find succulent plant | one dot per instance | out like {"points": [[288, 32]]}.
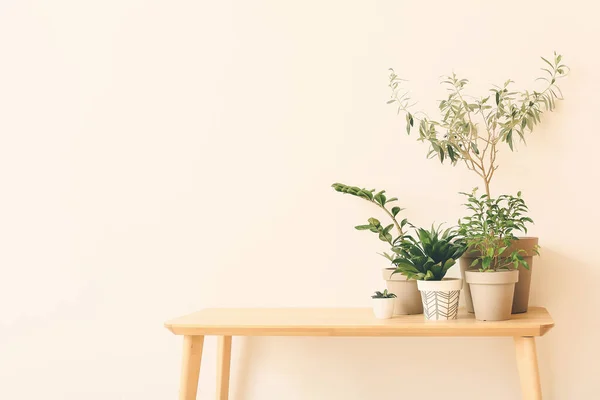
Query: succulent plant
{"points": [[430, 256], [383, 295]]}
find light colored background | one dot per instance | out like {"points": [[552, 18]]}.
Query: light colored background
{"points": [[158, 157]]}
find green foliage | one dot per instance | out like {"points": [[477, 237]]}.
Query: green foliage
{"points": [[430, 256], [470, 129], [383, 295], [374, 225], [490, 230]]}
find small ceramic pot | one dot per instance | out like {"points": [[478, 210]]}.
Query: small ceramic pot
{"points": [[383, 308], [440, 298], [492, 293], [408, 300]]}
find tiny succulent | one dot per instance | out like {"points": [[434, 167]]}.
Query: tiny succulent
{"points": [[383, 295], [430, 256], [379, 199], [490, 228]]}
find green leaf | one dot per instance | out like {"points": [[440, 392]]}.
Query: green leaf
{"points": [[486, 262], [386, 237], [388, 228], [362, 227], [547, 62], [396, 210], [374, 222]]}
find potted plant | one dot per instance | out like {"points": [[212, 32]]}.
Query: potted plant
{"points": [[408, 300], [472, 130], [383, 304], [427, 260], [489, 234]]}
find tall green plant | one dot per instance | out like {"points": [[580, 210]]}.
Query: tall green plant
{"points": [[470, 130]]}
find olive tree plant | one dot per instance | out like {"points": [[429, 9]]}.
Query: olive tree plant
{"points": [[471, 130]]}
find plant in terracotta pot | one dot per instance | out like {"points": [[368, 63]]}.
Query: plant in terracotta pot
{"points": [[496, 251], [471, 131], [428, 258], [408, 300], [383, 304]]}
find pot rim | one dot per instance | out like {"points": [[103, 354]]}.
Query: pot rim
{"points": [[445, 285], [492, 277], [387, 275]]}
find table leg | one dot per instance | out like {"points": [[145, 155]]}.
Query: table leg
{"points": [[190, 367], [528, 368], [223, 367]]}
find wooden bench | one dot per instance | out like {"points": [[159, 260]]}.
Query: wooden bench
{"points": [[354, 322]]}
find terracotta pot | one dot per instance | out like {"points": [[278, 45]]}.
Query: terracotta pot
{"points": [[408, 298], [521, 297], [440, 298], [492, 293]]}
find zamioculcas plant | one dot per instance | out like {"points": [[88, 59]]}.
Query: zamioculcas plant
{"points": [[471, 130], [408, 301], [380, 200], [430, 256]]}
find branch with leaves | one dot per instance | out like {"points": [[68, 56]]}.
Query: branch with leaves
{"points": [[379, 199], [490, 230], [470, 129]]}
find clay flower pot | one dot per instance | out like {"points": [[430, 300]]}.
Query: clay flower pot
{"points": [[440, 298], [521, 296], [492, 293], [408, 299]]}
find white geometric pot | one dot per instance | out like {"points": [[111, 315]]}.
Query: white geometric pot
{"points": [[440, 298], [383, 308]]}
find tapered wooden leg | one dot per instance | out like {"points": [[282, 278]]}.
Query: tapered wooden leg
{"points": [[190, 367], [528, 368], [223, 367]]}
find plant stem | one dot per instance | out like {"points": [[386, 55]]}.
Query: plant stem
{"points": [[398, 227]]}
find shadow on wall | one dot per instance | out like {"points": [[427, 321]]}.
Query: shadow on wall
{"points": [[368, 368], [568, 288]]}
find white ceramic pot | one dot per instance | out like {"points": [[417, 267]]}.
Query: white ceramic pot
{"points": [[408, 300], [383, 308], [492, 293], [440, 298]]}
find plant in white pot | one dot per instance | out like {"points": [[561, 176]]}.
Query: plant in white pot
{"points": [[489, 235], [408, 300], [427, 259], [471, 130], [383, 304]]}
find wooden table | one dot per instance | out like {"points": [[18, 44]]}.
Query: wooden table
{"points": [[356, 322]]}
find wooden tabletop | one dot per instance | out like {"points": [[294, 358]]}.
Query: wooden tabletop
{"points": [[349, 322]]}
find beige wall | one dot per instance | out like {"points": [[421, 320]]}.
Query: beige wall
{"points": [[158, 157]]}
